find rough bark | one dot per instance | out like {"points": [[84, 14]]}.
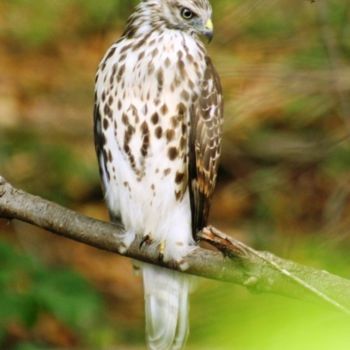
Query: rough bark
{"points": [[235, 262]]}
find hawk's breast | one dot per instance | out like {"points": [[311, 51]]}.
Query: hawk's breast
{"points": [[145, 92]]}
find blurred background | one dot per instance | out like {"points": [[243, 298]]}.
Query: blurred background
{"points": [[283, 186]]}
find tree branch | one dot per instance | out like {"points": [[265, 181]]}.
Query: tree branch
{"points": [[236, 263]]}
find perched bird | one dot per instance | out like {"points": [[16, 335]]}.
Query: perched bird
{"points": [[157, 123]]}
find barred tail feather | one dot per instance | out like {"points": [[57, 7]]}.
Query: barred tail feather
{"points": [[166, 308]]}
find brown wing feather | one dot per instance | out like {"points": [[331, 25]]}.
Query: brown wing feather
{"points": [[205, 146], [100, 141]]}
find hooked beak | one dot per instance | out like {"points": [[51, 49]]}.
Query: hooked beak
{"points": [[209, 30]]}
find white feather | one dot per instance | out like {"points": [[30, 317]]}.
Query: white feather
{"points": [[166, 306], [148, 205]]}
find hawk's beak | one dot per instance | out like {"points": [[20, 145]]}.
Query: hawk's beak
{"points": [[209, 30]]}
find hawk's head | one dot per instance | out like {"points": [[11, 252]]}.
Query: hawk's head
{"points": [[191, 16]]}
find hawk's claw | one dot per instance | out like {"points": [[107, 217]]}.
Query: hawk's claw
{"points": [[145, 240]]}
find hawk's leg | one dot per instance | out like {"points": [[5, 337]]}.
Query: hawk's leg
{"points": [[125, 240], [125, 237], [148, 241], [165, 254]]}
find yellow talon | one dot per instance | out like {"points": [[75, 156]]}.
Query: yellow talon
{"points": [[162, 248]]}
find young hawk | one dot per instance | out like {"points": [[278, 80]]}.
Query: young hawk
{"points": [[158, 115]]}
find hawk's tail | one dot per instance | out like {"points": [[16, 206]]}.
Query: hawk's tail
{"points": [[166, 308]]}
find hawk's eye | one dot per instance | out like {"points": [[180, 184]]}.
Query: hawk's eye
{"points": [[187, 13]]}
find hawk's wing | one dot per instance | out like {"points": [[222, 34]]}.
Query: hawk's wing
{"points": [[205, 146], [102, 157]]}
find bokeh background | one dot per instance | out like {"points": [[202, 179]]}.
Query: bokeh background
{"points": [[283, 185]]}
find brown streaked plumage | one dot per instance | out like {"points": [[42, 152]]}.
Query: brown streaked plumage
{"points": [[205, 146]]}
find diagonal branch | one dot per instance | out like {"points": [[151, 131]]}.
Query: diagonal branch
{"points": [[238, 263]]}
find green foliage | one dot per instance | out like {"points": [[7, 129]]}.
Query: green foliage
{"points": [[28, 288], [274, 25], [229, 317], [60, 164], [29, 346], [338, 14], [101, 15], [338, 162], [313, 56], [44, 21], [39, 20]]}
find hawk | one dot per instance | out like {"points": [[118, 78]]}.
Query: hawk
{"points": [[157, 124]]}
